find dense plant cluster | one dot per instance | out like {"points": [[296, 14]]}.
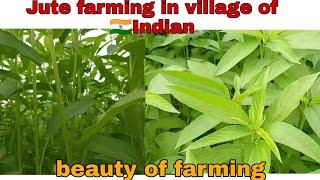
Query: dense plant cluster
{"points": [[247, 95], [64, 94], [212, 96]]}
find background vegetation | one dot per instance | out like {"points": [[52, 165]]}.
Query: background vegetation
{"points": [[71, 95], [247, 95]]}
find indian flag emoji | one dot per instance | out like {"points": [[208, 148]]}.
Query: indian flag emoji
{"points": [[120, 26]]}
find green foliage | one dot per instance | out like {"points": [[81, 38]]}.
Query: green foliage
{"points": [[210, 97], [66, 94], [247, 95]]}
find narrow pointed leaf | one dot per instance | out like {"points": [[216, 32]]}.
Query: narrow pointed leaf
{"points": [[118, 107], [197, 82], [290, 97], [270, 142], [312, 115], [283, 47], [196, 128], [222, 109], [11, 41], [205, 43], [258, 152], [304, 39], [235, 54], [157, 101], [225, 134], [289, 135]]}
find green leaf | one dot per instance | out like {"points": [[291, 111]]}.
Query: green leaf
{"points": [[289, 135], [127, 101], [259, 84], [235, 54], [294, 163], [157, 101], [152, 112], [3, 150], [79, 107], [197, 82], [225, 134], [232, 35], [166, 144], [258, 152], [8, 87], [164, 60], [12, 75], [252, 67], [166, 123], [205, 69], [109, 76], [303, 39], [117, 149], [272, 33], [158, 83], [217, 107], [278, 67], [290, 97], [315, 92], [257, 107], [223, 153], [270, 142], [283, 47], [72, 110], [219, 154], [11, 41], [255, 33], [258, 100], [196, 128], [170, 39], [205, 43], [312, 115], [315, 172], [190, 158]]}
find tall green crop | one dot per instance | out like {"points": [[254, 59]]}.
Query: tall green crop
{"points": [[65, 94]]}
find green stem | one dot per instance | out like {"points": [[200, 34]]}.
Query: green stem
{"points": [[219, 40], [61, 109], [35, 107], [44, 152], [19, 134], [18, 127], [75, 63], [261, 48], [74, 75], [134, 116]]}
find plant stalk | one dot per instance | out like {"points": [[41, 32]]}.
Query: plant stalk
{"points": [[75, 64], [35, 107], [61, 109], [18, 127], [19, 134]]}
